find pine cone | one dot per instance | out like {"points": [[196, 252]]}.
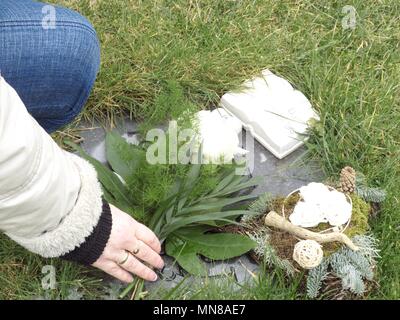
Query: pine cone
{"points": [[348, 180]]}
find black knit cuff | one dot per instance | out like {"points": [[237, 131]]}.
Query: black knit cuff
{"points": [[93, 246]]}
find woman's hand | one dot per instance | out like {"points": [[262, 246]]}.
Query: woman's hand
{"points": [[131, 247]]}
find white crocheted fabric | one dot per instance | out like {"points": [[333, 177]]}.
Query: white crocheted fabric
{"points": [[320, 204]]}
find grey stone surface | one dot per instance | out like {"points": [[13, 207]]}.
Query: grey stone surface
{"points": [[280, 178], [94, 137], [285, 175]]}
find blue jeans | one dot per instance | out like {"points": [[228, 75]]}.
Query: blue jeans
{"points": [[50, 56]]}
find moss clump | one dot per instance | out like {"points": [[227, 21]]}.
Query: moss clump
{"points": [[284, 243], [289, 203], [359, 218], [358, 224]]}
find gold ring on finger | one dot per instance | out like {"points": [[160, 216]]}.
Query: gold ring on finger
{"points": [[136, 250], [125, 259]]}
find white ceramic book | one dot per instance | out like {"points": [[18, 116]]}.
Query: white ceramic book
{"points": [[273, 111]]}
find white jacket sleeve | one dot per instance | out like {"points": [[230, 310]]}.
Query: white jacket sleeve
{"points": [[50, 200]]}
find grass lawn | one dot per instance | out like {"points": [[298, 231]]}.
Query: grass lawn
{"points": [[351, 76]]}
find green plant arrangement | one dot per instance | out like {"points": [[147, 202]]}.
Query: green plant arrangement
{"points": [[195, 200], [196, 208], [342, 272]]}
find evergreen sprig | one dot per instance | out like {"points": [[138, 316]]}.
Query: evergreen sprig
{"points": [[367, 193], [262, 204], [315, 278], [267, 253], [352, 267]]}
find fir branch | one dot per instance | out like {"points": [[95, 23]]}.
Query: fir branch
{"points": [[354, 266], [315, 278], [371, 194], [359, 262], [262, 204], [368, 247], [266, 251], [367, 193], [351, 279]]}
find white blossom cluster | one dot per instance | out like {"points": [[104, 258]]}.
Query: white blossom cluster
{"points": [[218, 134]]}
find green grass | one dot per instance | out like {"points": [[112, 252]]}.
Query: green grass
{"points": [[21, 275], [208, 47], [273, 285]]}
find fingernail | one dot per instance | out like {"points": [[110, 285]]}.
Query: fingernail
{"points": [[155, 278]]}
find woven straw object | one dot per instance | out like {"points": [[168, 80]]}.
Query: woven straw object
{"points": [[308, 254]]}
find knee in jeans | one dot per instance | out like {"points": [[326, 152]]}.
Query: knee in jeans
{"points": [[80, 64], [78, 67], [58, 66]]}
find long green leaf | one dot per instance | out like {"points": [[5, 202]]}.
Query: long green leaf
{"points": [[123, 157], [180, 222], [188, 186], [225, 181], [229, 190], [192, 175], [185, 254], [218, 246], [169, 202], [113, 188], [216, 204], [186, 245], [176, 198]]}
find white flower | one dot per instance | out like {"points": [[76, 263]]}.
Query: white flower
{"points": [[220, 141]]}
